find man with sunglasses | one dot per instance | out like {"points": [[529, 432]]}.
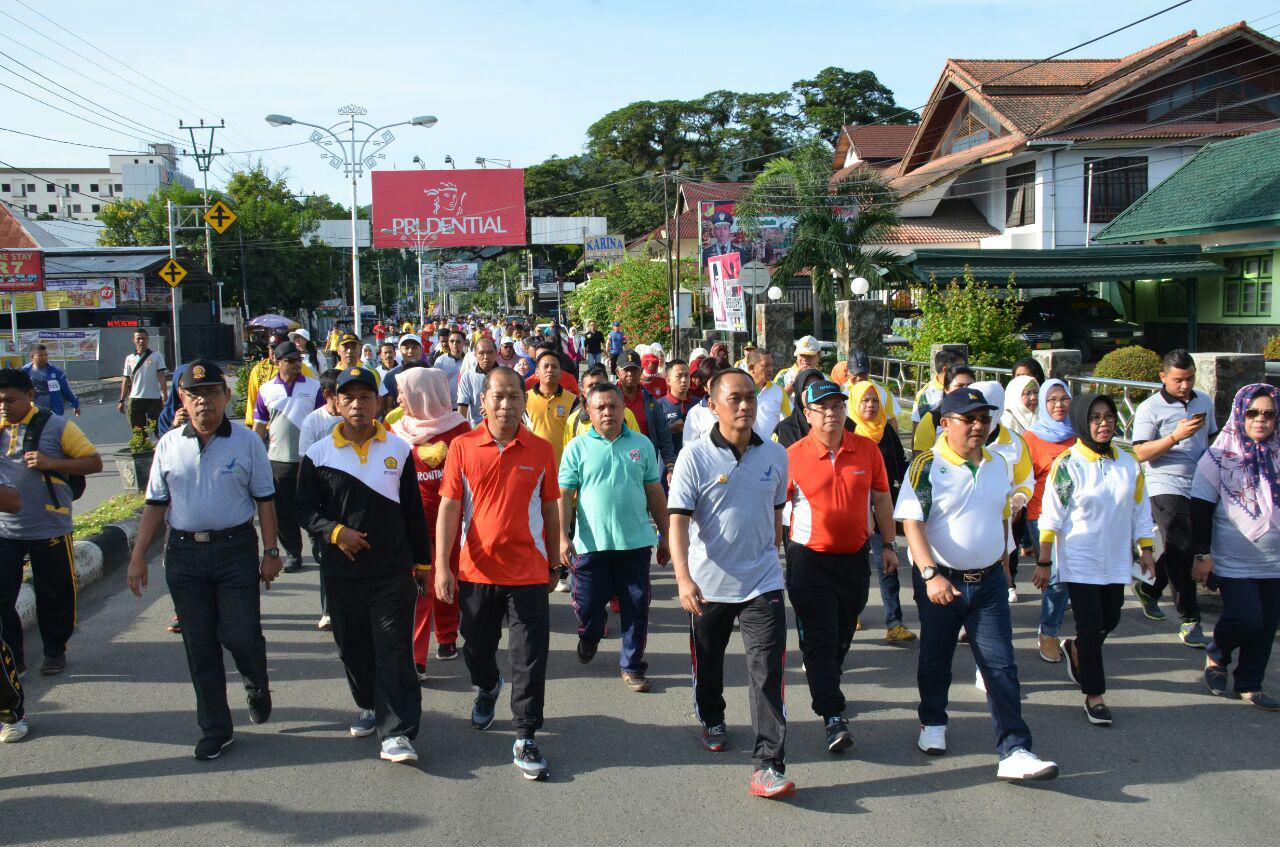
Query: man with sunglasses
{"points": [[834, 479], [955, 512]]}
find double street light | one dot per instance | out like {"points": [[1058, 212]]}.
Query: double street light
{"points": [[353, 154]]}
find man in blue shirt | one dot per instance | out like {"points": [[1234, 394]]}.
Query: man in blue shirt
{"points": [[53, 390], [617, 341]]}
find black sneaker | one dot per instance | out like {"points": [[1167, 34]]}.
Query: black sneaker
{"points": [[1098, 714], [208, 749], [53, 665], [715, 738], [1069, 650], [259, 705], [446, 652], [586, 652], [483, 707], [838, 737]]}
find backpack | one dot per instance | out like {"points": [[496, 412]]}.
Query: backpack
{"points": [[31, 443]]}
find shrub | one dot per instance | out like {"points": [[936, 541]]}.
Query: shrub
{"points": [[1137, 364], [1272, 350], [634, 293], [972, 313]]}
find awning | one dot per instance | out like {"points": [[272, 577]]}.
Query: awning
{"points": [[1063, 268]]}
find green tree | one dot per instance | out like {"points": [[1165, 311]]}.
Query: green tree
{"points": [[835, 230], [835, 98], [633, 292], [968, 312]]}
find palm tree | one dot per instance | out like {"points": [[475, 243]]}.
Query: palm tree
{"points": [[835, 228]]}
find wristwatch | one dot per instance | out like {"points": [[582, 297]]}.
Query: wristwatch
{"points": [[271, 552], [929, 573], [1044, 564], [890, 545]]}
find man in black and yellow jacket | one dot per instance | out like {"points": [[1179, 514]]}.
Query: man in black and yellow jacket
{"points": [[358, 488]]}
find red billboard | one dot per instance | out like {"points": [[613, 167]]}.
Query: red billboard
{"points": [[21, 270], [474, 208]]}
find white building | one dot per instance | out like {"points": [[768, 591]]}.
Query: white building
{"points": [[80, 193]]}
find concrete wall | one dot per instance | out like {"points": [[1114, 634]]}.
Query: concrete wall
{"points": [[114, 344]]}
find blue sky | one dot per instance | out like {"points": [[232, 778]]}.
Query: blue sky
{"points": [[511, 80]]}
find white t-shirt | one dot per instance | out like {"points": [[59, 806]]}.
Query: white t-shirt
{"points": [[145, 383]]}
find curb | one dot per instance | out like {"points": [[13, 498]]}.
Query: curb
{"points": [[95, 557]]}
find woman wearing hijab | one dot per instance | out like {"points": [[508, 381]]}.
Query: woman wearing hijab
{"points": [[1235, 512], [429, 425], [1011, 446], [720, 351], [1049, 435], [367, 357], [869, 420], [1095, 512], [1021, 399]]}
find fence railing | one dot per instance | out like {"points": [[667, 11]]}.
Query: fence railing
{"points": [[904, 379]]}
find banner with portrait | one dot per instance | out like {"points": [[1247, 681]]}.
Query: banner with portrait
{"points": [[727, 305]]}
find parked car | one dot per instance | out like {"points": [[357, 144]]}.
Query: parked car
{"points": [[1085, 322]]}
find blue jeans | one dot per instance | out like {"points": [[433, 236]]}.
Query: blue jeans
{"points": [[889, 585], [624, 574], [1250, 612], [1054, 600], [983, 610]]}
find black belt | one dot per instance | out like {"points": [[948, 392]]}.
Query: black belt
{"points": [[976, 575], [211, 535]]}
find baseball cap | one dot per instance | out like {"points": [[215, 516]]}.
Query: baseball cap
{"points": [[821, 390], [859, 363], [629, 359], [807, 346], [201, 372], [506, 339], [348, 338], [750, 345], [962, 401], [287, 348], [410, 338], [301, 333], [16, 378], [363, 376]]}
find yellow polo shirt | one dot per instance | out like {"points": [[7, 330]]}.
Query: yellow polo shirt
{"points": [[548, 415]]}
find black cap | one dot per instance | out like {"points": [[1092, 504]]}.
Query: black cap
{"points": [[201, 372], [287, 348], [629, 359], [821, 390], [16, 378], [364, 376], [962, 401], [859, 363]]}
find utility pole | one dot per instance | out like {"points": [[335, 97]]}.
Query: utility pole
{"points": [[674, 314], [244, 285], [204, 156], [666, 210], [177, 298]]}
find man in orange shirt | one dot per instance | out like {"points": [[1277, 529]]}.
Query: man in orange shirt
{"points": [[833, 476], [502, 477]]}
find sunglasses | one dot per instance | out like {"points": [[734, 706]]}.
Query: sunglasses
{"points": [[970, 420], [1266, 414]]}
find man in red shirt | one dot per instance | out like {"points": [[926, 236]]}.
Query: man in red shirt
{"points": [[379, 332], [833, 476], [502, 477]]}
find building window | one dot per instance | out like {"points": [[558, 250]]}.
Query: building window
{"points": [[1117, 183], [75, 186], [93, 188], [119, 188], [1246, 287], [1020, 195], [96, 208], [1171, 299], [53, 208], [49, 187], [75, 209], [972, 125], [4, 187]]}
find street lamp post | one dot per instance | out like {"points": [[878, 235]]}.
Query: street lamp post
{"points": [[420, 244], [356, 155]]}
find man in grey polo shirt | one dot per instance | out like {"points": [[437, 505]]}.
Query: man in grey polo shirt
{"points": [[727, 494], [210, 476], [1171, 431], [471, 382]]}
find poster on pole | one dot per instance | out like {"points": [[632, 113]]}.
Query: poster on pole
{"points": [[65, 345], [470, 208], [719, 234], [21, 270], [133, 289], [727, 306]]}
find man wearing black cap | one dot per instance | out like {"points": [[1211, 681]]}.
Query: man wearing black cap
{"points": [[358, 489], [410, 354], [208, 478], [278, 415], [647, 410], [834, 479], [955, 512]]}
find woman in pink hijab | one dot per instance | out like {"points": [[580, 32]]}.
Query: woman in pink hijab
{"points": [[429, 424]]}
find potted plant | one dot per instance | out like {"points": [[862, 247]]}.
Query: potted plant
{"points": [[134, 461]]}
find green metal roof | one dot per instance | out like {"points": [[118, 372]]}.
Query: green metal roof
{"points": [[1064, 267], [1228, 185]]}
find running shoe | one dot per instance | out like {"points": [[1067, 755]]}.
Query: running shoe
{"points": [[1190, 634], [210, 748], [1261, 699], [1013, 594], [1215, 676], [1098, 714], [526, 756], [562, 585], [933, 740], [1150, 605], [482, 708], [899, 633], [636, 681], [12, 733], [293, 565], [838, 737], [715, 738], [398, 749], [978, 682], [365, 724], [446, 652], [1023, 764], [53, 665], [325, 622], [259, 705], [768, 783]]}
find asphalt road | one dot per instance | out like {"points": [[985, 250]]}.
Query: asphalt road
{"points": [[109, 757], [109, 432]]}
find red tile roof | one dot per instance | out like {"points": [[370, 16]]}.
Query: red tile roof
{"points": [[1181, 129], [953, 222], [12, 233], [881, 141], [1015, 72]]}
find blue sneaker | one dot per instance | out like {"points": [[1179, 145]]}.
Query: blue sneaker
{"points": [[483, 707], [526, 756], [365, 723], [1190, 634]]}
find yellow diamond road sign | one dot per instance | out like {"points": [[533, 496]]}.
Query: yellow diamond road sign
{"points": [[173, 273], [219, 217]]}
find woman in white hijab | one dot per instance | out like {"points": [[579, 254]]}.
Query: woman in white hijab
{"points": [[1021, 398]]}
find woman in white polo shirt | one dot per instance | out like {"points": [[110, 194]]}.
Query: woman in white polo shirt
{"points": [[1095, 512]]}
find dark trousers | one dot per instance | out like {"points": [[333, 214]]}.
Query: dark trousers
{"points": [[528, 612], [763, 623], [828, 592], [600, 576], [983, 610], [10, 686], [143, 414], [53, 576], [214, 587], [285, 476], [1172, 513], [1250, 612], [1096, 609], [373, 627], [317, 550]]}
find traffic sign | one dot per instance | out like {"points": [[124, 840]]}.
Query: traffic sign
{"points": [[219, 217], [173, 273]]}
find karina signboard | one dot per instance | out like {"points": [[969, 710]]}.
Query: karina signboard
{"points": [[473, 208]]}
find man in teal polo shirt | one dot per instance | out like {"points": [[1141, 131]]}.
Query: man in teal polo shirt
{"points": [[609, 479]]}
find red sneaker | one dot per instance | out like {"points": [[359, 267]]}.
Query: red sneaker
{"points": [[768, 783]]}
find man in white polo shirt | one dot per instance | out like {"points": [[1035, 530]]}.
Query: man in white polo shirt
{"points": [[727, 494], [144, 386], [955, 511]]}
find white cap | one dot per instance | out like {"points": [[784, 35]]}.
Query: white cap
{"points": [[808, 346], [410, 336], [506, 339], [302, 332], [697, 353]]}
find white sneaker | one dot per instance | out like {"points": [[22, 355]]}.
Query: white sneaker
{"points": [[12, 733], [978, 682], [398, 749], [563, 585], [325, 622], [933, 740], [1023, 764], [1013, 595]]}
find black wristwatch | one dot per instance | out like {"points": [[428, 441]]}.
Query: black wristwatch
{"points": [[1044, 564], [271, 552], [890, 545], [927, 574]]}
